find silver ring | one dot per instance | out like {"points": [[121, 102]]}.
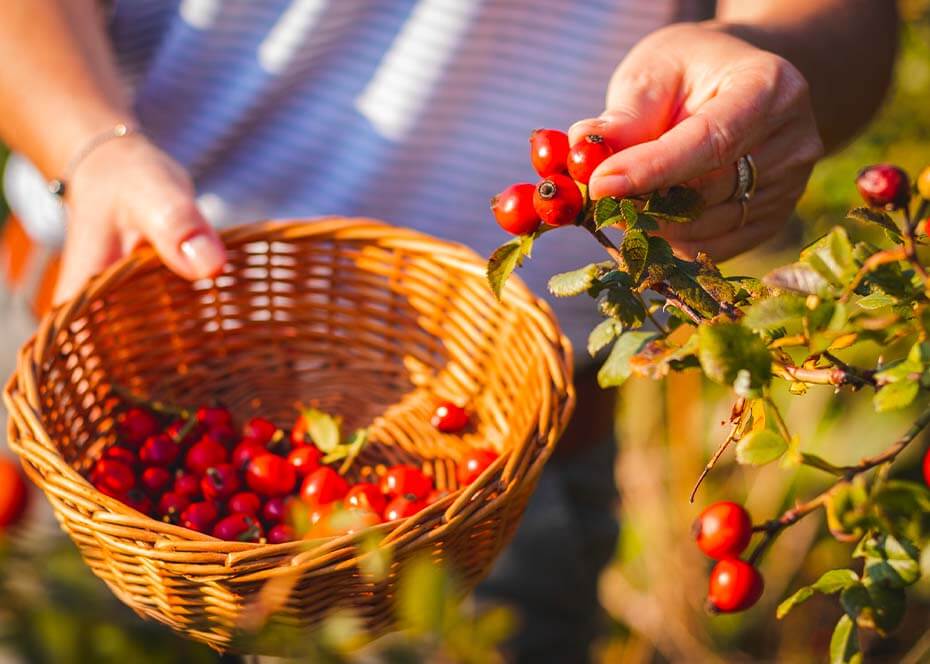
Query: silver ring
{"points": [[745, 178]]}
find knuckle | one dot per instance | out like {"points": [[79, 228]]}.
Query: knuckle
{"points": [[722, 144]]}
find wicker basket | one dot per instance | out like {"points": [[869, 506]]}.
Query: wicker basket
{"points": [[371, 322]]}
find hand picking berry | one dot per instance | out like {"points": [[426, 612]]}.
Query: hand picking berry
{"points": [[586, 155]]}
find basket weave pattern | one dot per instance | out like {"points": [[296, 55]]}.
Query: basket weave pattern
{"points": [[361, 319]]}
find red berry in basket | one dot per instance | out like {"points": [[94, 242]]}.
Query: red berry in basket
{"points": [[586, 155], [171, 505], [735, 585], [549, 151], [220, 482], [927, 466], [884, 185], [402, 507], [436, 495], [14, 494], [186, 484], [135, 425], [259, 430], [323, 486], [366, 495], [123, 455], [270, 475], [238, 528], [514, 211], [192, 433], [159, 450], [214, 416], [449, 417], [245, 451], [200, 516], [137, 500], [558, 200], [223, 434], [406, 481], [205, 453], [280, 534], [475, 463], [111, 476], [723, 530], [245, 502], [155, 479], [305, 459], [275, 510], [345, 522]]}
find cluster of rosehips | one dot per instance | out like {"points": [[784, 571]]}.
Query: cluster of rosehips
{"points": [[557, 199], [723, 531], [260, 483], [14, 495]]}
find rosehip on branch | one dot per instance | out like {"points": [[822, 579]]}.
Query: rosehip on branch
{"points": [[723, 530], [885, 186], [735, 585], [586, 155], [557, 200], [549, 151], [514, 209]]}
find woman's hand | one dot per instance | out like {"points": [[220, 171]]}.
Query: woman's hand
{"points": [[126, 192], [682, 107]]}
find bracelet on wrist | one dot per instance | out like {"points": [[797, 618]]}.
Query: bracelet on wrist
{"points": [[59, 186]]}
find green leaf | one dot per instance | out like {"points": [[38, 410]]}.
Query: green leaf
{"points": [[832, 257], [323, 429], [603, 333], [726, 348], [610, 211], [576, 282], [425, 598], [844, 644], [887, 608], [854, 599], [894, 396], [873, 216], [831, 582], [889, 561], [635, 249], [616, 369], [797, 277], [876, 301], [505, 259], [678, 205], [622, 305], [760, 447], [776, 311]]}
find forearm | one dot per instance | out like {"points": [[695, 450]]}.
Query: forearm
{"points": [[58, 82], [844, 48]]}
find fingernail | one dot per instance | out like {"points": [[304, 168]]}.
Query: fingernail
{"points": [[610, 185], [204, 254], [589, 126]]}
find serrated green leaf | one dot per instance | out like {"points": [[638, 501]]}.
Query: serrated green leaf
{"points": [[635, 249], [889, 561], [797, 277], [678, 205], [875, 301], [831, 582], [799, 597], [844, 644], [832, 257], [505, 259], [726, 348], [873, 216], [854, 599], [323, 429], [602, 334], [779, 310], [616, 369], [576, 282], [621, 304], [610, 211], [894, 396], [760, 447], [717, 287], [887, 608]]}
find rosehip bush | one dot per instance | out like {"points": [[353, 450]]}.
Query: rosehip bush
{"points": [[852, 313]]}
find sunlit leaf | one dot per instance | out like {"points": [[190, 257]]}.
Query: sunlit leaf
{"points": [[323, 429], [616, 369], [603, 333], [760, 447], [677, 205], [505, 259], [635, 248], [844, 644], [726, 348], [576, 282]]}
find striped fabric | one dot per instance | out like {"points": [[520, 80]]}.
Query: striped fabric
{"points": [[412, 111]]}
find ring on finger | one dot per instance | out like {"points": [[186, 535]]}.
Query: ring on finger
{"points": [[744, 211], [746, 175]]}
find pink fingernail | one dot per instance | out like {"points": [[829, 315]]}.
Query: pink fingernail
{"points": [[610, 185], [204, 254]]}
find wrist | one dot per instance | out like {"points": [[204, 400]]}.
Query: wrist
{"points": [[95, 143]]}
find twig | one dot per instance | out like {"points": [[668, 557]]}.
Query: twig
{"points": [[655, 321], [898, 253], [735, 429], [836, 376], [670, 297], [608, 245]]}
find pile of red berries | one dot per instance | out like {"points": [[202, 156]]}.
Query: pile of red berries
{"points": [[258, 483], [723, 531], [557, 200], [14, 495]]}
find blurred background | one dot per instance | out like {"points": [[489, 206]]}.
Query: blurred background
{"points": [[53, 610]]}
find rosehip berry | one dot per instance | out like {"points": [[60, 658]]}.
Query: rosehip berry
{"points": [[402, 507], [123, 455], [276, 510], [204, 454], [113, 476], [259, 429], [171, 505], [159, 450], [280, 534], [558, 200], [137, 500], [220, 482], [474, 463], [323, 486], [238, 528], [735, 585], [14, 494], [213, 417], [406, 481], [223, 434], [270, 475], [245, 451], [192, 433], [436, 495], [514, 210], [884, 185], [586, 155], [923, 183], [135, 425], [155, 479], [186, 484], [305, 459], [200, 516], [366, 495], [449, 418], [245, 502], [549, 151], [927, 467], [723, 530]]}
